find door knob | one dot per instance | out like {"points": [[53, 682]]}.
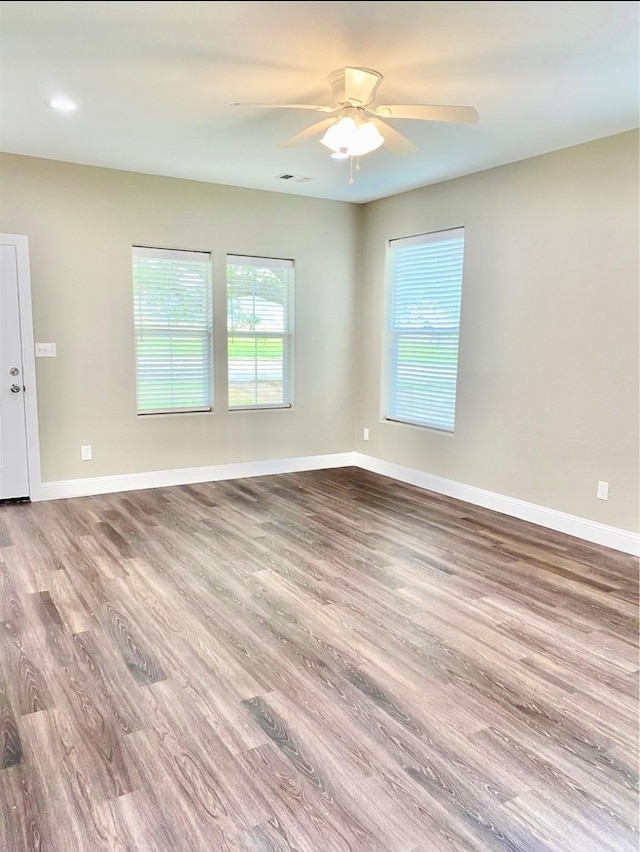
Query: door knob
{"points": [[15, 388]]}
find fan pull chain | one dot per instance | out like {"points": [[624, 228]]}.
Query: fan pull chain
{"points": [[351, 168]]}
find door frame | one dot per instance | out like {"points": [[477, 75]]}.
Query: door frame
{"points": [[21, 245]]}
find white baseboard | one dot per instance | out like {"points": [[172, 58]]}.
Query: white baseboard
{"points": [[187, 475], [618, 539]]}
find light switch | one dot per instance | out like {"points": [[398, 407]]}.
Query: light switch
{"points": [[45, 350]]}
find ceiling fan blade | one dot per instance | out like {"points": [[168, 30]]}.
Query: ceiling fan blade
{"points": [[429, 112], [307, 133], [394, 141], [316, 107], [360, 85]]}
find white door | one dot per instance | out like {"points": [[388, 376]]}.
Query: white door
{"points": [[14, 469]]}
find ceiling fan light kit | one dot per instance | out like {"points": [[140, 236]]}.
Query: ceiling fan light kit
{"points": [[359, 129], [350, 137]]}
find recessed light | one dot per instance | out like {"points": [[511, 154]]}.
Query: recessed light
{"points": [[63, 104]]}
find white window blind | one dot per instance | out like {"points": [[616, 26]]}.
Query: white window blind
{"points": [[259, 332], [173, 328], [424, 329]]}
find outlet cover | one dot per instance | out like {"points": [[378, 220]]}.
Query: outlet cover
{"points": [[603, 490], [86, 452], [365, 434]]}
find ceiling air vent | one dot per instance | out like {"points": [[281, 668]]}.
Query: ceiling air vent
{"points": [[296, 178]]}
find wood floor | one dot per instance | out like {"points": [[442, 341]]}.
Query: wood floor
{"points": [[315, 661]]}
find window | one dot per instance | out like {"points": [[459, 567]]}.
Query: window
{"points": [[173, 327], [259, 332], [424, 329]]}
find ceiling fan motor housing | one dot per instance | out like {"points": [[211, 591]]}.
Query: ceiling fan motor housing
{"points": [[363, 78]]}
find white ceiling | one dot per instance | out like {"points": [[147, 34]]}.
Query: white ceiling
{"points": [[154, 81]]}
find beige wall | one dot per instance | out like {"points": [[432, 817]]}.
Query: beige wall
{"points": [[81, 223], [548, 373], [548, 382]]}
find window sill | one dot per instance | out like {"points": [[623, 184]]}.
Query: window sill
{"points": [[448, 433], [287, 407], [152, 415]]}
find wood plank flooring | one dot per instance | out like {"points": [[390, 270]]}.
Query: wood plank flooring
{"points": [[316, 661]]}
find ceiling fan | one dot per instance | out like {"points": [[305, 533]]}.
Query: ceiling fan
{"points": [[359, 127]]}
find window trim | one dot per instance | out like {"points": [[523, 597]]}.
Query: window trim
{"points": [[165, 253], [287, 337], [387, 373], [169, 411]]}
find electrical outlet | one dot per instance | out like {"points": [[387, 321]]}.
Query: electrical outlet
{"points": [[365, 434], [603, 491], [86, 452]]}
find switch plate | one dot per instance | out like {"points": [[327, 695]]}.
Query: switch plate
{"points": [[86, 452], [365, 434], [603, 491], [45, 350]]}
